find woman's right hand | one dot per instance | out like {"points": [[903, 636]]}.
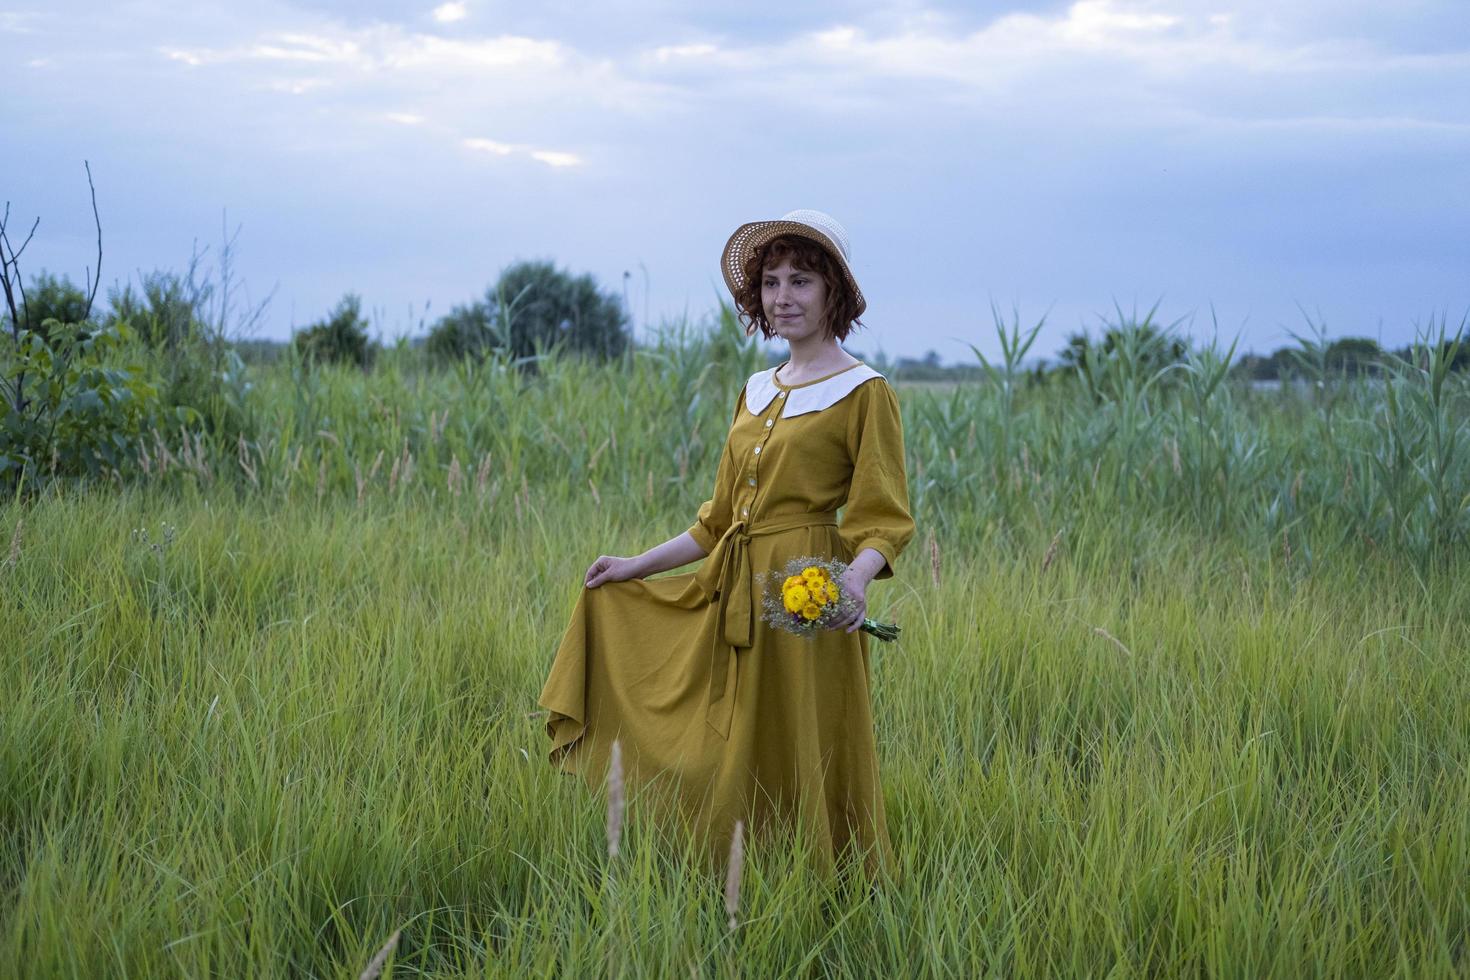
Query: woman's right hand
{"points": [[607, 568]]}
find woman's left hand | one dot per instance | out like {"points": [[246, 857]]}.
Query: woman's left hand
{"points": [[855, 589]]}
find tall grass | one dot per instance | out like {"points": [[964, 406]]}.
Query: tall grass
{"points": [[1182, 689], [1330, 469]]}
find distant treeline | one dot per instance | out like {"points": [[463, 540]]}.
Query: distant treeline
{"points": [[1344, 357], [535, 305]]}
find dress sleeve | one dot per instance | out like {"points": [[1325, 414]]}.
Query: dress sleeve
{"points": [[716, 513], [877, 511]]}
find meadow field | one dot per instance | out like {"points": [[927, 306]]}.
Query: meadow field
{"points": [[1183, 685]]}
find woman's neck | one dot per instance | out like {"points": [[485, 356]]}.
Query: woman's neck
{"points": [[814, 358]]}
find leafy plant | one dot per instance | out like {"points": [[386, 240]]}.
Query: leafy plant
{"points": [[78, 414], [55, 298]]}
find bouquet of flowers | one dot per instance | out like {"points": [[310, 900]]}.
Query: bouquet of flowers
{"points": [[804, 598]]}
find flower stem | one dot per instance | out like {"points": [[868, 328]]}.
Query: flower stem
{"points": [[883, 631]]}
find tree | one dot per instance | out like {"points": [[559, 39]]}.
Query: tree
{"points": [[465, 331], [1151, 347], [531, 304], [341, 338], [1354, 355], [551, 306]]}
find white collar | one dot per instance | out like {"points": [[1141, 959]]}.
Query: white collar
{"points": [[761, 388]]}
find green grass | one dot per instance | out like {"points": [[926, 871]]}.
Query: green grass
{"points": [[291, 731], [274, 700]]}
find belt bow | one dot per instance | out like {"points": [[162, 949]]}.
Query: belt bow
{"points": [[725, 578]]}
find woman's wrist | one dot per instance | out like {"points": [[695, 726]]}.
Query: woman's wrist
{"points": [[867, 564]]}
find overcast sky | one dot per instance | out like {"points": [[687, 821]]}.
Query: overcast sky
{"points": [[1254, 156]]}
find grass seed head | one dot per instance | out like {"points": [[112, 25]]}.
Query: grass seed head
{"points": [[1051, 551], [615, 800], [374, 968], [733, 872], [13, 558]]}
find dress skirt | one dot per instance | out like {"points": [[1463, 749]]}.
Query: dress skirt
{"points": [[738, 719]]}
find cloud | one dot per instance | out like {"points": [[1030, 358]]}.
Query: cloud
{"points": [[556, 158], [490, 146], [296, 86], [308, 48], [540, 89], [448, 13], [384, 47], [387, 55], [404, 118], [1123, 61], [552, 158], [681, 52], [423, 51], [191, 58]]}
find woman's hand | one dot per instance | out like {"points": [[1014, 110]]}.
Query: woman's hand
{"points": [[608, 568], [854, 586]]}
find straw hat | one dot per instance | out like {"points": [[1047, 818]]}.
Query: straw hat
{"points": [[821, 228]]}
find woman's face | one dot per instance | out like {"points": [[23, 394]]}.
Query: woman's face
{"points": [[793, 300]]}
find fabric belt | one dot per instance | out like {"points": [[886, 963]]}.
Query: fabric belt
{"points": [[725, 576]]}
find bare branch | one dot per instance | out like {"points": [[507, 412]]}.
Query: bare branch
{"points": [[16, 252], [92, 286], [15, 293]]}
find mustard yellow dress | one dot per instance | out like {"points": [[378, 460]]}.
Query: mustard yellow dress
{"points": [[742, 720]]}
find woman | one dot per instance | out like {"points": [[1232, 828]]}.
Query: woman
{"points": [[743, 720]]}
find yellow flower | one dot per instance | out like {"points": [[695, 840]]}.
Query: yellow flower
{"points": [[810, 611], [792, 580], [833, 594], [813, 574], [796, 597]]}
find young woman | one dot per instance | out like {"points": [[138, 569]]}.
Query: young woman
{"points": [[745, 721]]}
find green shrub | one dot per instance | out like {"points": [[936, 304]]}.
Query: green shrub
{"points": [[55, 298], [166, 313], [341, 338], [194, 364], [70, 409]]}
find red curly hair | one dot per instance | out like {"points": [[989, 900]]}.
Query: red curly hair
{"points": [[840, 315]]}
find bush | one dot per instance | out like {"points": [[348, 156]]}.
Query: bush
{"points": [[536, 305], [193, 361], [341, 338], [53, 298], [167, 313], [70, 411]]}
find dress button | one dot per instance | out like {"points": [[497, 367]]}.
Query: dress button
{"points": [[752, 481], [770, 422], [745, 512], [757, 450]]}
